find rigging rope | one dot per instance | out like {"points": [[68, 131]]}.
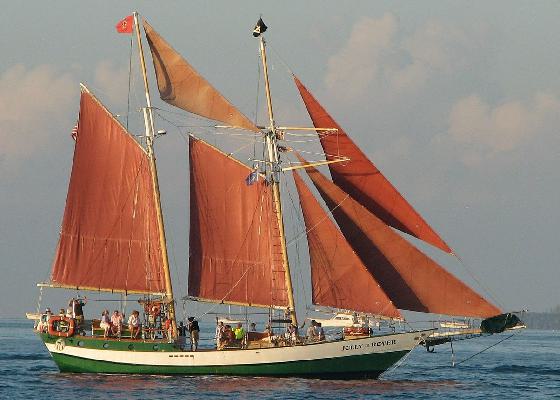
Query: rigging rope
{"points": [[473, 276], [129, 81], [488, 348], [301, 234]]}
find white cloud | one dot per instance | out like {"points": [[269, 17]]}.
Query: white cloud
{"points": [[378, 57], [485, 130], [357, 64], [112, 82], [30, 99], [434, 48]]}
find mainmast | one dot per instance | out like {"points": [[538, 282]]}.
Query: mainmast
{"points": [[149, 124], [273, 170]]}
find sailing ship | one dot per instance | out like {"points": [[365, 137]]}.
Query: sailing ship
{"points": [[113, 240]]}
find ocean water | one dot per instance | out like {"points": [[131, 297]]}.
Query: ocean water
{"points": [[525, 366]]}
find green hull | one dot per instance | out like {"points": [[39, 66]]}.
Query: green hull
{"points": [[347, 367], [356, 367]]}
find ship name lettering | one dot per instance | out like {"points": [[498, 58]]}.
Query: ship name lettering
{"points": [[351, 347], [384, 343]]}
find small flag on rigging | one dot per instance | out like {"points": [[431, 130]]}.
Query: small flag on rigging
{"points": [[260, 28], [252, 177], [74, 133], [125, 24]]}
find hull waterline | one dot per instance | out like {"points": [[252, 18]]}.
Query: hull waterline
{"points": [[360, 358]]}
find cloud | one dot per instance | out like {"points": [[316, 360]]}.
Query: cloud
{"points": [[377, 56], [485, 131], [433, 48], [357, 64], [112, 82], [30, 100]]}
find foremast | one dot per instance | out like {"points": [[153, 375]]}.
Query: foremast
{"points": [[149, 125], [273, 170]]}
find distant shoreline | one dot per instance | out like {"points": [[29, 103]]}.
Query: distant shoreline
{"points": [[542, 321]]}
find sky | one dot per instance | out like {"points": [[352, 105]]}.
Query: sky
{"points": [[457, 103]]}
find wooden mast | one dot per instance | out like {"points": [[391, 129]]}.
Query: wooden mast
{"points": [[272, 154], [149, 123]]}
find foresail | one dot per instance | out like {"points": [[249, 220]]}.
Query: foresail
{"points": [[109, 238], [411, 279], [235, 249], [339, 279], [363, 181], [181, 85]]}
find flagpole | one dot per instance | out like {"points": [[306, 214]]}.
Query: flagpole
{"points": [[272, 151], [149, 124]]}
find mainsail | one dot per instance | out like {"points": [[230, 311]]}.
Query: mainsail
{"points": [[181, 85], [339, 279], [363, 181], [411, 279], [109, 238], [235, 249]]}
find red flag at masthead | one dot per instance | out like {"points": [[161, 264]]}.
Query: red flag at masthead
{"points": [[125, 25]]}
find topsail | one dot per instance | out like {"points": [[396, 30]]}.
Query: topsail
{"points": [[361, 179], [181, 85]]}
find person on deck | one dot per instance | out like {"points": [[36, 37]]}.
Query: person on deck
{"points": [[194, 331], [253, 327], [134, 324], [291, 333], [219, 334], [77, 306], [268, 330], [320, 332], [116, 323], [182, 332], [239, 333], [312, 334], [167, 332], [43, 324], [105, 323], [228, 337]]}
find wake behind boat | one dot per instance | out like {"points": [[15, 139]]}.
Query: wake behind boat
{"points": [[113, 240]]}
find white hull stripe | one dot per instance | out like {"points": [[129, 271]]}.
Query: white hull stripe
{"points": [[371, 345]]}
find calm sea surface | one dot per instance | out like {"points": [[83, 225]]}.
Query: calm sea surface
{"points": [[525, 366]]}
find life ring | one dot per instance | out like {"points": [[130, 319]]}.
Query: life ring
{"points": [[61, 326]]}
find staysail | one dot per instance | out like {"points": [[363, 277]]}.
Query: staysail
{"points": [[338, 277], [181, 85], [235, 249], [363, 181], [109, 239], [411, 279]]}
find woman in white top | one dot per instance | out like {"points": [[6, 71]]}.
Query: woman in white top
{"points": [[134, 324], [105, 323]]}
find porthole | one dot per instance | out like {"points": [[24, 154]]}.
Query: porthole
{"points": [[81, 343], [105, 345], [156, 346], [131, 347]]}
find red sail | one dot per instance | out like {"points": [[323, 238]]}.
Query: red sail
{"points": [[181, 85], [110, 237], [363, 181], [409, 277], [339, 278], [235, 248]]}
